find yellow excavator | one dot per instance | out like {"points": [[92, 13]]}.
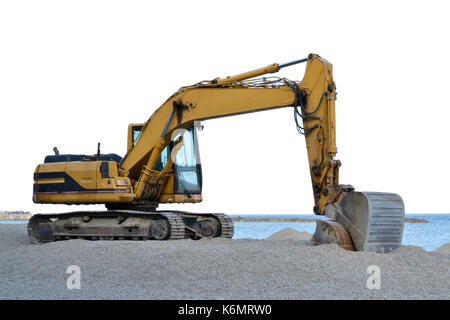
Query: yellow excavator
{"points": [[162, 166]]}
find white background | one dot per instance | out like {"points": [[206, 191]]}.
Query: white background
{"points": [[73, 73]]}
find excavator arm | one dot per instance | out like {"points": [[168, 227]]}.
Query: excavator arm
{"points": [[360, 220]]}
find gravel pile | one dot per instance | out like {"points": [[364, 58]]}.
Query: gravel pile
{"points": [[214, 269], [290, 234], [445, 248], [15, 215]]}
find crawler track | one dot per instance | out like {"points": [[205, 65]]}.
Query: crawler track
{"points": [[127, 225], [226, 229]]}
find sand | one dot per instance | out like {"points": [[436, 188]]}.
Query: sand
{"points": [[284, 267], [289, 234], [445, 248]]}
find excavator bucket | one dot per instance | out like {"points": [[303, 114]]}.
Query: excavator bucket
{"points": [[363, 221]]}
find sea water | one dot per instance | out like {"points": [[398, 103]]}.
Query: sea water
{"points": [[429, 235]]}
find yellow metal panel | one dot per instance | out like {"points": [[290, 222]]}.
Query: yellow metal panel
{"points": [[58, 180], [52, 167], [86, 173]]}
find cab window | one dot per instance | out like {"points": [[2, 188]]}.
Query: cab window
{"points": [[135, 134]]}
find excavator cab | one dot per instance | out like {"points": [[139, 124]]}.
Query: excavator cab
{"points": [[178, 180], [185, 182]]}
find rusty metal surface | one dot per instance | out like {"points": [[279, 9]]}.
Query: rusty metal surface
{"points": [[331, 232]]}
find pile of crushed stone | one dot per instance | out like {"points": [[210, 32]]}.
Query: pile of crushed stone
{"points": [[215, 269], [290, 234], [445, 248]]}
